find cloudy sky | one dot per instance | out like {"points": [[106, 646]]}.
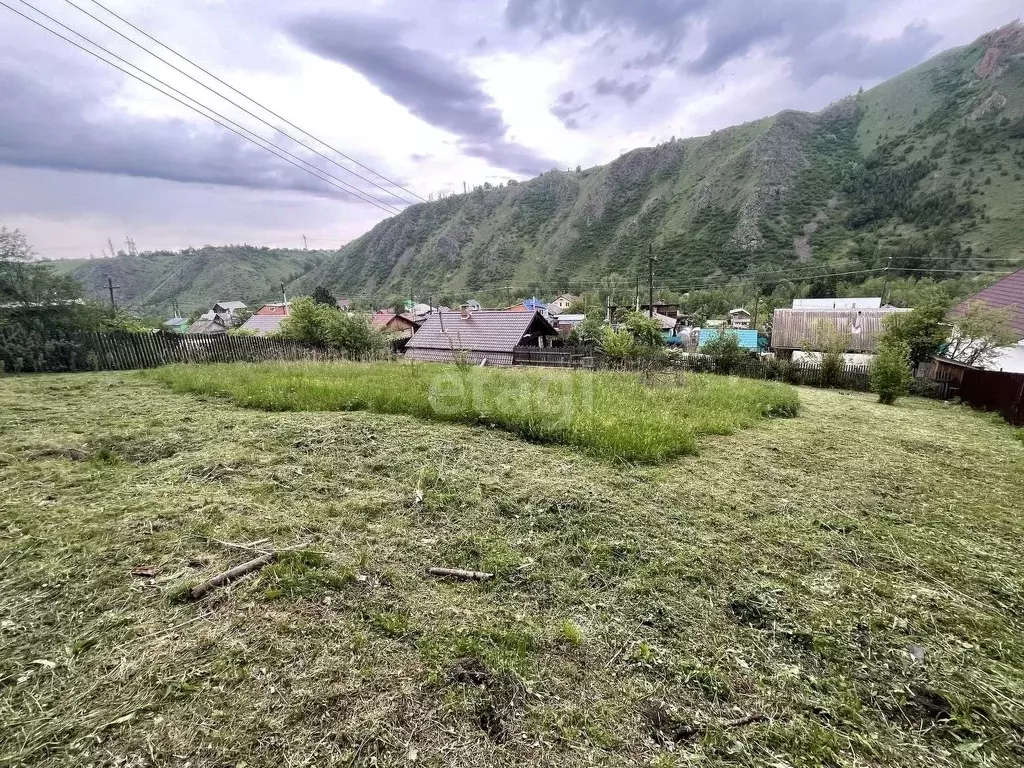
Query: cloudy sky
{"points": [[427, 93]]}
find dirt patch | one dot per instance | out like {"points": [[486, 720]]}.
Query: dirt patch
{"points": [[665, 723], [469, 671], [923, 708]]}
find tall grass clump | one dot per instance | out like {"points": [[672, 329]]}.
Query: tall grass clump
{"points": [[611, 415]]}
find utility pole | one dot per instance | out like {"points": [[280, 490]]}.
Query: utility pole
{"points": [[463, 187], [113, 253], [305, 246], [284, 298], [650, 280], [757, 303], [636, 307], [111, 287], [885, 286]]}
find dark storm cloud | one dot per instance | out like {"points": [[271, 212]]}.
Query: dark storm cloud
{"points": [[629, 92], [70, 128], [857, 56], [809, 34], [566, 107], [433, 88]]}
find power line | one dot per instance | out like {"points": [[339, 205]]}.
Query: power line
{"points": [[266, 145], [251, 100]]}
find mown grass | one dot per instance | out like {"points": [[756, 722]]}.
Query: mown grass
{"points": [[611, 415], [852, 575]]}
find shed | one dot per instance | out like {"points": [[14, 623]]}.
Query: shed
{"points": [[485, 335], [739, 318], [794, 329]]}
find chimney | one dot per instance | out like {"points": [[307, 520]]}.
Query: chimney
{"points": [[467, 311]]}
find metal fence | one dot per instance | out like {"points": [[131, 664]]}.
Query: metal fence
{"points": [[33, 351], [995, 391]]}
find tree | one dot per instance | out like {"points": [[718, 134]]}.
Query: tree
{"points": [[323, 296], [646, 331], [890, 374], [30, 283], [591, 329], [830, 345], [313, 323], [618, 346], [240, 316], [924, 329], [978, 333]]}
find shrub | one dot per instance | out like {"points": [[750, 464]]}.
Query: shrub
{"points": [[890, 372], [725, 351]]}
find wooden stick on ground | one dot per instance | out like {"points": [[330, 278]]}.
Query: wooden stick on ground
{"points": [[456, 573], [746, 720], [231, 574]]}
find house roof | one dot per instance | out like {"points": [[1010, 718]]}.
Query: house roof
{"points": [[230, 306], [667, 323], [738, 311], [176, 321], [263, 323], [1008, 292], [853, 303], [208, 325], [483, 331], [567, 318], [274, 308]]}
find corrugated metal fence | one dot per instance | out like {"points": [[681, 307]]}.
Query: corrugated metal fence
{"points": [[995, 391]]}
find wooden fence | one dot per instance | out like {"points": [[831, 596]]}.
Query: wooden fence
{"points": [[32, 351], [553, 357], [995, 391]]}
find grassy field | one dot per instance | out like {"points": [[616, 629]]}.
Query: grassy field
{"points": [[612, 415], [839, 589]]}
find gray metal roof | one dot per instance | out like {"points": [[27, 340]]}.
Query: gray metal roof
{"points": [[261, 324], [483, 331], [874, 302], [230, 305]]}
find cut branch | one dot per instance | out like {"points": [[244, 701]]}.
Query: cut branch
{"points": [[230, 575], [456, 573]]}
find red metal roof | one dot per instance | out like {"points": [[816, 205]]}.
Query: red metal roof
{"points": [[483, 331], [1008, 292]]}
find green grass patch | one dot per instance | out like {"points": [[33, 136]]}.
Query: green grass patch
{"points": [[610, 415], [846, 586]]}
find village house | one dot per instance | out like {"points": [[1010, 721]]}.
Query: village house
{"points": [[799, 332], [1008, 292], [529, 305], [564, 301], [210, 324], [484, 336], [403, 325], [228, 308], [748, 339], [739, 319], [176, 325], [267, 319]]}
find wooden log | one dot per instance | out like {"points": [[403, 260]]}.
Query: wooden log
{"points": [[230, 575], [457, 573]]}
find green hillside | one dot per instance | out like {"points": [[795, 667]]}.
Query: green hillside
{"points": [[196, 277], [924, 170]]}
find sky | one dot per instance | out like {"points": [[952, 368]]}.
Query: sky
{"points": [[420, 96]]}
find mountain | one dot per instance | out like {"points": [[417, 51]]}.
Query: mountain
{"points": [[924, 169], [195, 278]]}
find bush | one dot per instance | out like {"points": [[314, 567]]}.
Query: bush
{"points": [[725, 351], [324, 325], [890, 372]]}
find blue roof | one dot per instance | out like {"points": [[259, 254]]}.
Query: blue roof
{"points": [[534, 304], [747, 339]]}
